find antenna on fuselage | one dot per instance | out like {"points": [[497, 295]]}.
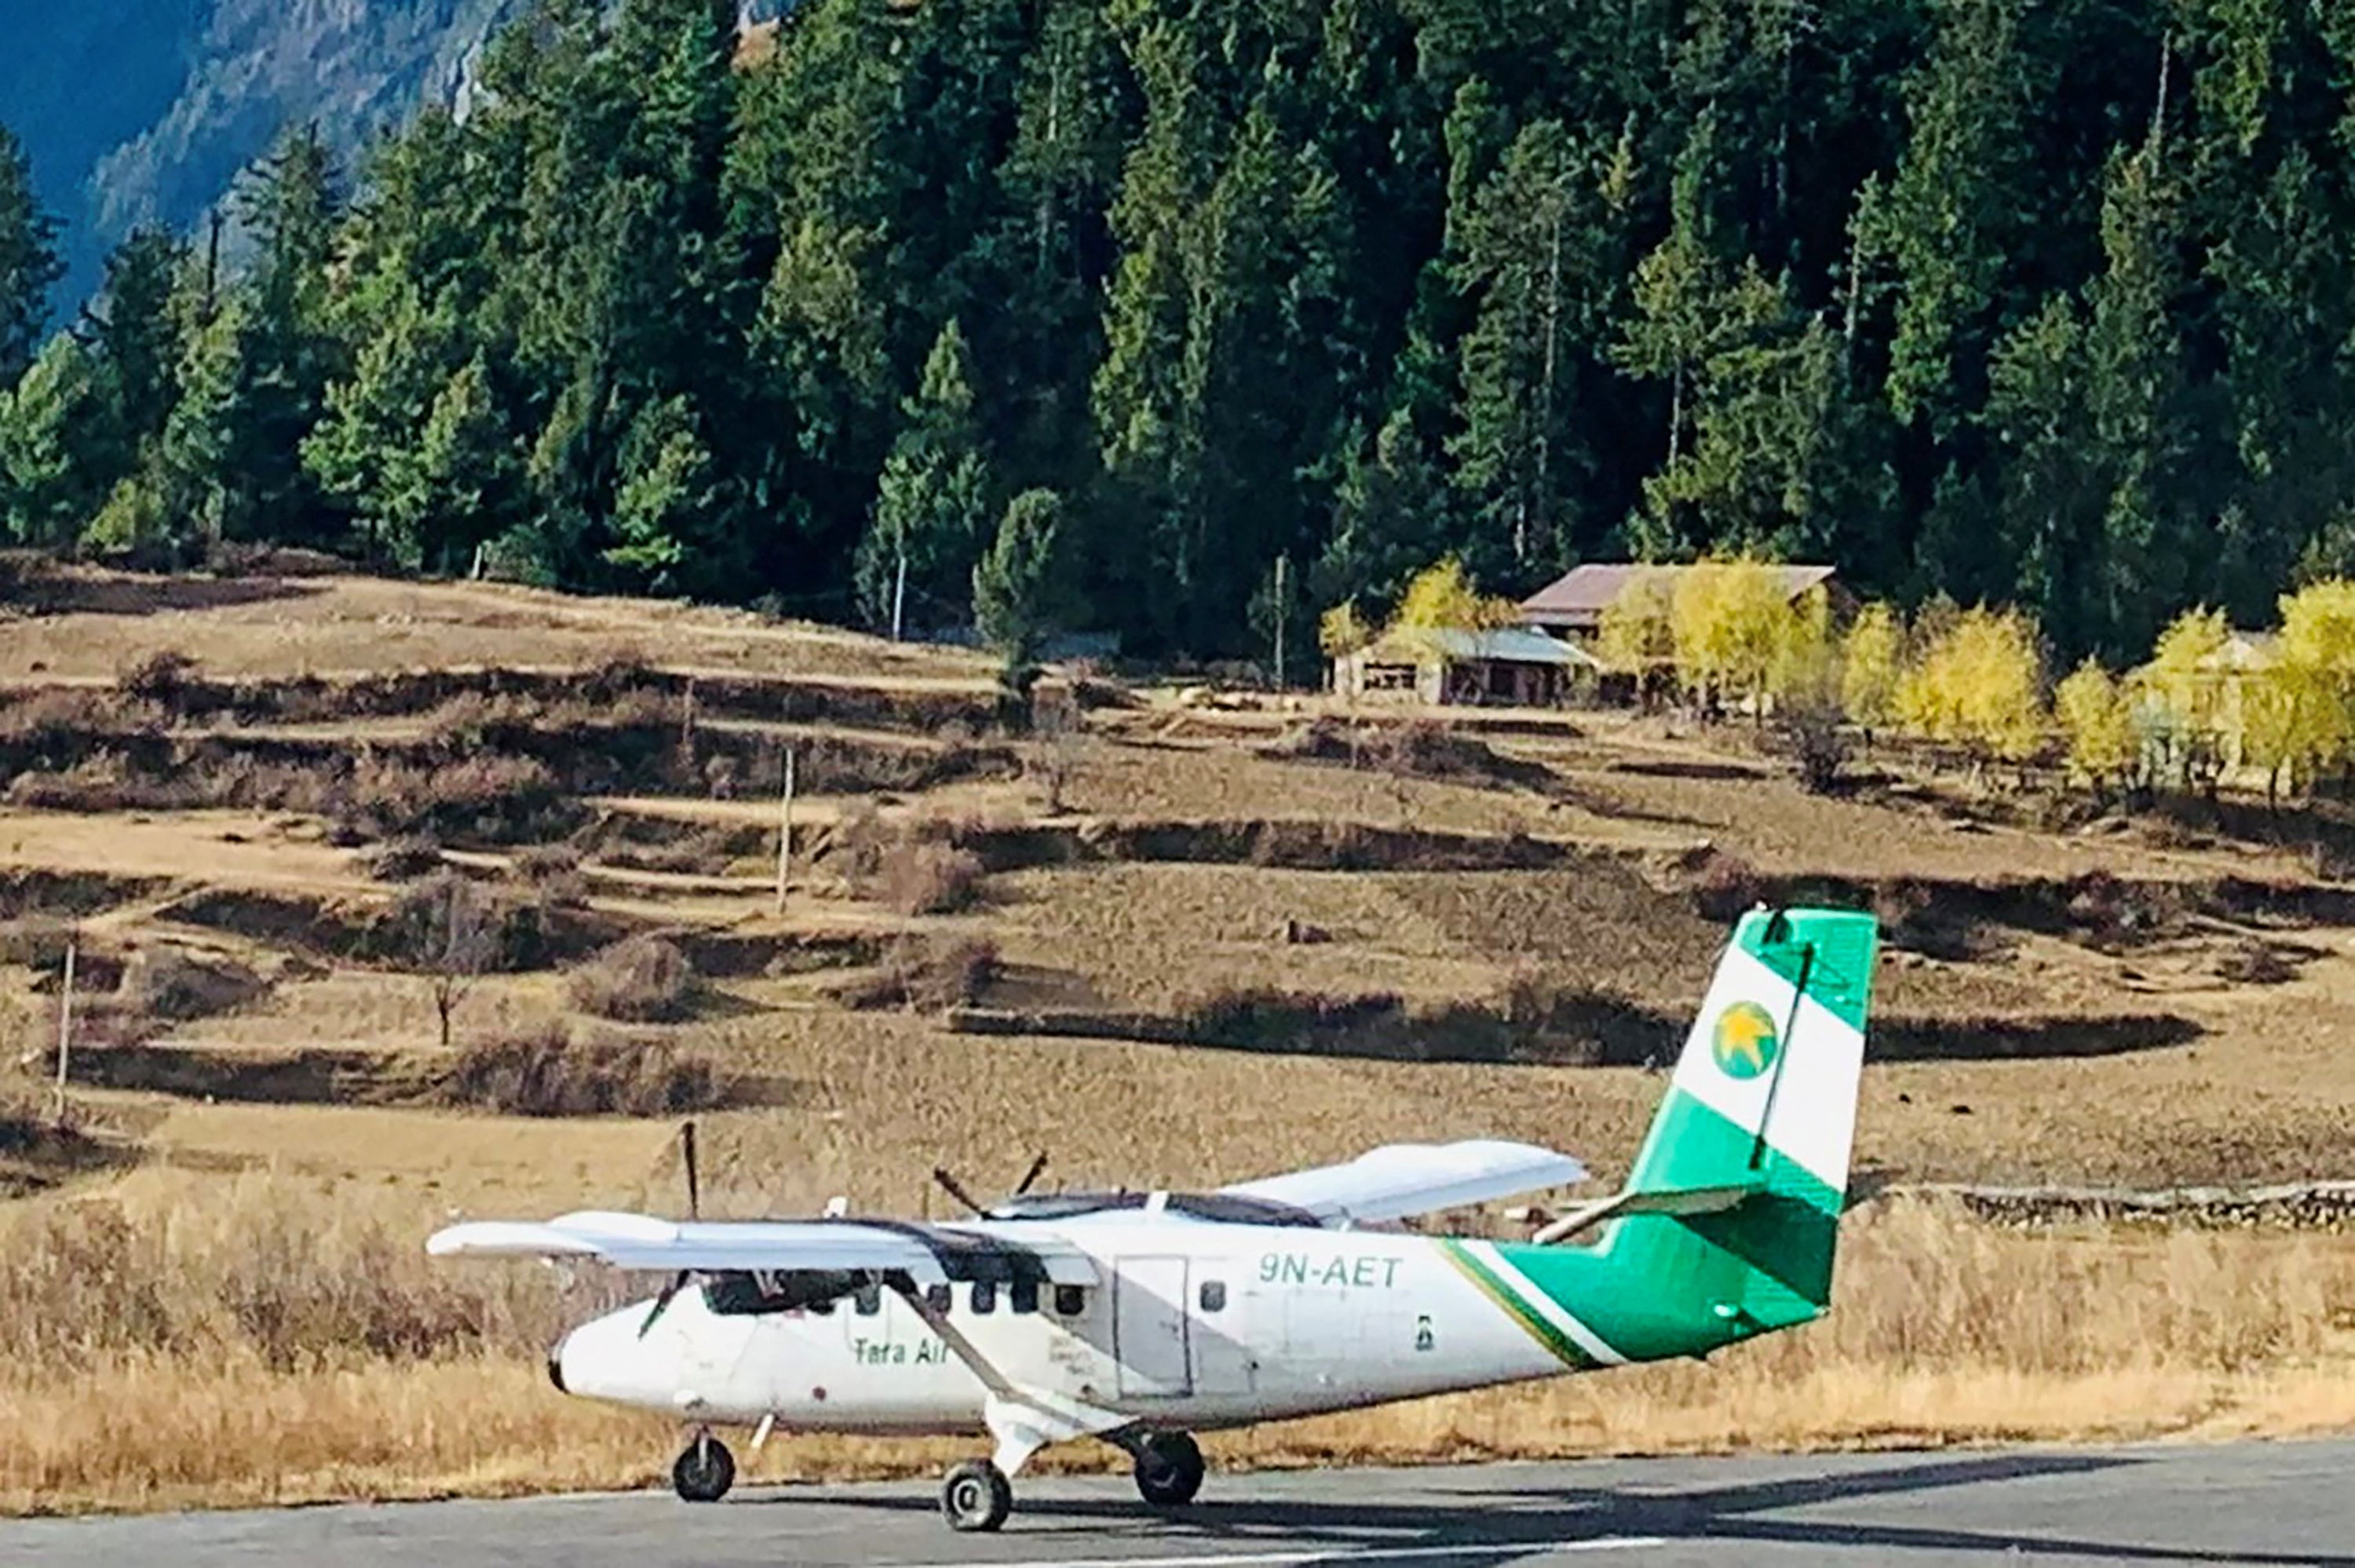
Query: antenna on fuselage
{"points": [[955, 1189], [694, 1211]]}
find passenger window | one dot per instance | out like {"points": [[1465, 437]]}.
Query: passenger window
{"points": [[1022, 1295], [1214, 1295], [869, 1299], [938, 1298], [985, 1297], [1071, 1301]]}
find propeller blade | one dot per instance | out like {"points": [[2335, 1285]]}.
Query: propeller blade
{"points": [[662, 1302], [1038, 1166], [694, 1184], [955, 1189]]}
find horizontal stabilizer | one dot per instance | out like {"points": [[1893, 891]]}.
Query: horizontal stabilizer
{"points": [[1403, 1178], [1679, 1201]]}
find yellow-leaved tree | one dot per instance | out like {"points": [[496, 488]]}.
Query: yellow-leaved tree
{"points": [[2185, 683], [2096, 715], [1341, 631], [2271, 734], [1731, 621], [1634, 637], [1443, 597], [1872, 659], [2314, 664], [1978, 685]]}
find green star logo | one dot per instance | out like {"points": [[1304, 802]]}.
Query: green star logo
{"points": [[1744, 1042]]}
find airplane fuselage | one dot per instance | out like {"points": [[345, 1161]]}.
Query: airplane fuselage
{"points": [[1197, 1326]]}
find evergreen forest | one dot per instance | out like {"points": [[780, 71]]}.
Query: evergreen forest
{"points": [[1210, 315]]}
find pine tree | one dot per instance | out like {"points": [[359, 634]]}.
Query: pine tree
{"points": [[1948, 215], [1540, 257], [2135, 388], [1016, 588], [29, 262], [932, 508], [663, 495], [1391, 514], [136, 339], [46, 420], [288, 355]]}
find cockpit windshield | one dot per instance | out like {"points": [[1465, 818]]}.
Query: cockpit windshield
{"points": [[753, 1294]]}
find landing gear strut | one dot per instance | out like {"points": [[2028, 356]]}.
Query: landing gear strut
{"points": [[705, 1470], [1168, 1468], [977, 1496]]}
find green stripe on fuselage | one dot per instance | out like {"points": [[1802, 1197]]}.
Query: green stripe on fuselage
{"points": [[1515, 1306]]}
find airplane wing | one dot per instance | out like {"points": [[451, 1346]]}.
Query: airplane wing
{"points": [[1402, 1179], [928, 1254]]}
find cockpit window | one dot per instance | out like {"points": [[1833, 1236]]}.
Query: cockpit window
{"points": [[1022, 1295], [870, 1299], [753, 1294], [985, 1297]]}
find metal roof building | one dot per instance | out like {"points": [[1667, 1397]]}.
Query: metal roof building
{"points": [[1573, 603], [1513, 666]]}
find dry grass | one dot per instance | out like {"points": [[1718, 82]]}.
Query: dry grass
{"points": [[308, 1349]]}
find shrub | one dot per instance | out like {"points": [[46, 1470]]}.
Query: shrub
{"points": [[927, 976], [405, 859], [163, 982], [104, 781], [706, 851], [162, 678], [37, 941], [643, 980], [549, 1069], [492, 797], [929, 878], [552, 872]]}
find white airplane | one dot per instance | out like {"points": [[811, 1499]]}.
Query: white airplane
{"points": [[1141, 1318]]}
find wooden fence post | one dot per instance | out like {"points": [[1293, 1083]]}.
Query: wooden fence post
{"points": [[65, 1025], [785, 832]]}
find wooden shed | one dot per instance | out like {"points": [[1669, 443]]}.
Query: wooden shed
{"points": [[1508, 667]]}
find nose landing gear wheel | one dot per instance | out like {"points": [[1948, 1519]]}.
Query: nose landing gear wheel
{"points": [[977, 1496], [1169, 1469], [705, 1470]]}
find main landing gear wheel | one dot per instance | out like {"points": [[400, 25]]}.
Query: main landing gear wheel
{"points": [[977, 1496], [705, 1470], [1168, 1468]]}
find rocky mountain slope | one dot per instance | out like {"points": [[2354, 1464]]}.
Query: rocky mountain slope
{"points": [[146, 109]]}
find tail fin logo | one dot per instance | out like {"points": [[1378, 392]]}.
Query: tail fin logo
{"points": [[1744, 1043]]}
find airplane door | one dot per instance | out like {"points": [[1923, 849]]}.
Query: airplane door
{"points": [[1149, 1328]]}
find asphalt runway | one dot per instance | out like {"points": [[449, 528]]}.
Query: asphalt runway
{"points": [[2246, 1503]]}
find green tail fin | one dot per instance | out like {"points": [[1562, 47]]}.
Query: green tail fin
{"points": [[1765, 1096], [1731, 1217]]}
